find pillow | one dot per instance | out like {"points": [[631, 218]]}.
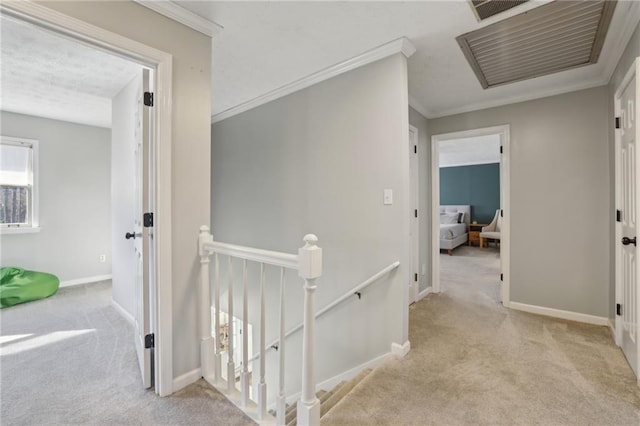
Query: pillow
{"points": [[449, 218]]}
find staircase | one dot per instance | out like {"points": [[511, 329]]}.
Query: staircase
{"points": [[327, 399]]}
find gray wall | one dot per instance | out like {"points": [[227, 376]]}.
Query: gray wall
{"points": [[74, 199], [317, 161], [424, 225], [477, 185], [631, 52], [124, 119], [560, 185]]}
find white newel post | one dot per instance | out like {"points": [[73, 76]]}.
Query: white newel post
{"points": [[204, 297], [310, 268]]}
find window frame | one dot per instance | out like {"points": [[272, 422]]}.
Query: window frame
{"points": [[34, 220]]}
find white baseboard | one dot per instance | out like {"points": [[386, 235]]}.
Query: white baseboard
{"points": [[85, 280], [401, 349], [424, 293], [186, 379], [122, 311], [558, 313], [612, 327]]}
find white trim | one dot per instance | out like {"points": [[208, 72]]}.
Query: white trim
{"points": [[559, 313], [470, 163], [414, 225], [19, 230], [424, 293], [415, 104], [179, 14], [401, 45], [122, 311], [505, 203], [85, 280], [612, 328], [186, 379], [529, 96], [162, 61], [401, 350], [628, 27]]}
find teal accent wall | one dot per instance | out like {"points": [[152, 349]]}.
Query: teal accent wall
{"points": [[477, 185]]}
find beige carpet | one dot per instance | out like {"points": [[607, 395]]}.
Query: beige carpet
{"points": [[70, 359], [474, 362]]}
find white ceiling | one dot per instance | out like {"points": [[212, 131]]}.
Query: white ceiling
{"points": [[266, 45], [468, 151], [47, 75]]}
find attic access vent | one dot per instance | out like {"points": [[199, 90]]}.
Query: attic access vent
{"points": [[487, 8], [555, 37]]}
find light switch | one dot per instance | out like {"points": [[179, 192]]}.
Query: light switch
{"points": [[388, 197]]}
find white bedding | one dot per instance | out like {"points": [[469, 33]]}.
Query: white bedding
{"points": [[451, 231]]}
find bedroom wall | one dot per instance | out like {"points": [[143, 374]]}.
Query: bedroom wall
{"points": [[477, 185], [559, 166], [190, 156], [317, 161], [631, 52], [418, 121], [74, 200]]}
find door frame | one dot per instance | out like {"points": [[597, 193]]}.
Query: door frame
{"points": [[505, 203], [161, 62], [634, 71], [414, 203]]}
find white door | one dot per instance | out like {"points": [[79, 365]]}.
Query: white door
{"points": [[413, 232], [144, 345], [627, 296]]}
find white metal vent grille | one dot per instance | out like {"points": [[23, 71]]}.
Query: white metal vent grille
{"points": [[555, 37], [487, 8]]}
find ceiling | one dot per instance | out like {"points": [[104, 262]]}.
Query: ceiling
{"points": [[468, 151], [266, 45], [47, 75]]}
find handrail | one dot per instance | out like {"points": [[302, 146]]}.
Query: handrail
{"points": [[275, 258], [333, 304]]}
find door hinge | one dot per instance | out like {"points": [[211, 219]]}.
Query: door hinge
{"points": [[500, 149], [415, 277], [147, 220], [501, 277], [415, 212], [617, 122], [415, 149], [148, 99], [618, 309], [149, 341], [618, 216]]}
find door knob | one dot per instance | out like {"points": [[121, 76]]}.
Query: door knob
{"points": [[130, 235], [626, 241]]}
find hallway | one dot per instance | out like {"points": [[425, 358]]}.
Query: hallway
{"points": [[474, 362]]}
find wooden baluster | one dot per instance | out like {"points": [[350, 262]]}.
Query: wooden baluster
{"points": [[309, 268], [204, 290], [244, 376], [231, 367], [216, 321], [281, 408], [262, 386]]}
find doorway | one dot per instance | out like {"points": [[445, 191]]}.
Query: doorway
{"points": [[156, 309], [463, 216]]}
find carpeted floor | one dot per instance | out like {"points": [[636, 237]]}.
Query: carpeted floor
{"points": [[70, 359], [474, 362]]}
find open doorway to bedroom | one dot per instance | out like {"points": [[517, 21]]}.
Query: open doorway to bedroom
{"points": [[469, 213]]}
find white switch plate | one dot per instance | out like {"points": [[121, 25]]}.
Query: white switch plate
{"points": [[388, 197], [103, 258]]}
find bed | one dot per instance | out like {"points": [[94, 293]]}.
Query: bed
{"points": [[454, 226]]}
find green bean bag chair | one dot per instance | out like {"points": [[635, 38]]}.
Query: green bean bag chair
{"points": [[20, 286]]}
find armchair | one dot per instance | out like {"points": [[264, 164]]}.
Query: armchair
{"points": [[491, 231]]}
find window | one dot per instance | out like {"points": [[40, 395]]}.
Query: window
{"points": [[18, 185]]}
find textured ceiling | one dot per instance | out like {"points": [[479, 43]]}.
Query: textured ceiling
{"points": [[47, 75], [467, 151], [265, 45]]}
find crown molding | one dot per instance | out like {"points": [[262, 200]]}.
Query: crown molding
{"points": [[415, 104], [628, 27], [180, 14], [589, 84], [401, 45]]}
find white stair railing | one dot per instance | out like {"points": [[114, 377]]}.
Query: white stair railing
{"points": [[308, 263]]}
